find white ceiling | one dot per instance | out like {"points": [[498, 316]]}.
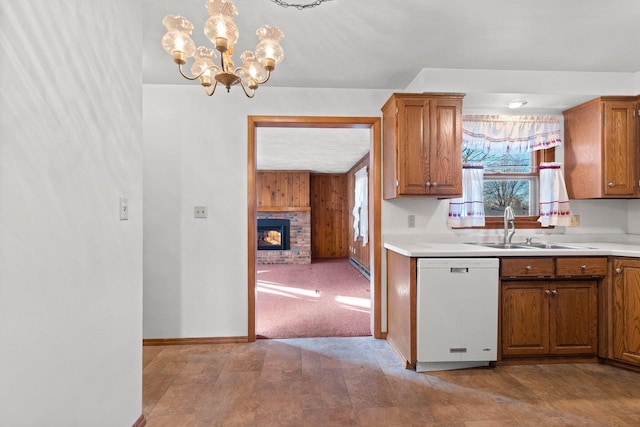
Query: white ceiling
{"points": [[383, 44], [317, 150]]}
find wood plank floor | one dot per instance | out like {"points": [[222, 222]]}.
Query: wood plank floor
{"points": [[360, 382]]}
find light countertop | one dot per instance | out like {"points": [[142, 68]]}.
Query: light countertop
{"points": [[436, 249]]}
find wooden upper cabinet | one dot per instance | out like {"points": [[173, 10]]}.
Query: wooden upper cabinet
{"points": [[600, 152], [422, 145]]}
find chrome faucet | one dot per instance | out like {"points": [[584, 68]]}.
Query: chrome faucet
{"points": [[509, 224]]}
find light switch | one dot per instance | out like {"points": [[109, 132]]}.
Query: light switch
{"points": [[199, 211], [124, 209]]}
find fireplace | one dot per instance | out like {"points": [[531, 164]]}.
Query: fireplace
{"points": [[273, 234]]}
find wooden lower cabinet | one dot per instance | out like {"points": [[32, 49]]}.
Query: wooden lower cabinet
{"points": [[542, 318], [525, 318], [626, 310]]}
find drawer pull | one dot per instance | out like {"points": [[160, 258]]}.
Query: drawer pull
{"points": [[554, 292], [583, 267], [528, 268]]}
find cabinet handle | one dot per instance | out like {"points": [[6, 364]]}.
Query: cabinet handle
{"points": [[611, 184], [583, 267], [528, 268], [428, 184], [619, 270], [554, 292], [547, 292], [435, 184]]}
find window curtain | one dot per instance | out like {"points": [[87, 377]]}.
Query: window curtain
{"points": [[554, 201], [361, 206], [510, 134], [468, 210]]}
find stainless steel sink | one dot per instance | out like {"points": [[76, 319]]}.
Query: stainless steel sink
{"points": [[503, 245], [543, 245], [535, 245]]}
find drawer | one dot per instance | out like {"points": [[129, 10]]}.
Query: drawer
{"points": [[581, 266], [526, 267]]}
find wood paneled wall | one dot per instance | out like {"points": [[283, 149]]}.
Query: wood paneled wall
{"points": [[282, 190], [329, 227], [356, 250]]}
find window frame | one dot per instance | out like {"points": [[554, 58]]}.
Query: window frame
{"points": [[494, 222]]}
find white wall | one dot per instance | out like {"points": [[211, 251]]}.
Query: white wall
{"points": [[70, 271], [634, 216], [196, 154]]}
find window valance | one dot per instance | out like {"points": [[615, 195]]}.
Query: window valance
{"points": [[510, 134]]}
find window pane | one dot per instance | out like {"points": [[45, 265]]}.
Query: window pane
{"points": [[519, 193], [494, 161]]}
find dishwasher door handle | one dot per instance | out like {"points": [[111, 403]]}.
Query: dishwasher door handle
{"points": [[459, 269]]}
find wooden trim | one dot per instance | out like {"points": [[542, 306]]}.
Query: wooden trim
{"points": [[375, 225], [543, 360], [372, 123], [140, 422], [193, 341], [284, 209], [252, 227], [521, 223]]}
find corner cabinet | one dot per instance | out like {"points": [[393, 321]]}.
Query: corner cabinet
{"points": [[626, 310], [601, 148], [422, 145]]}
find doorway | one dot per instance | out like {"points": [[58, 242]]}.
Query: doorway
{"points": [[371, 123]]}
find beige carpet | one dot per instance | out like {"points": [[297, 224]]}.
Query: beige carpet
{"points": [[328, 298]]}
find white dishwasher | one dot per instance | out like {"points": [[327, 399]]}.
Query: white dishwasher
{"points": [[457, 313]]}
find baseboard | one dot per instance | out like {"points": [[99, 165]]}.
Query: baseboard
{"points": [[140, 422], [361, 268], [194, 341]]}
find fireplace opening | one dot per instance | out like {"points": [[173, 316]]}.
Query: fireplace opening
{"points": [[273, 234]]}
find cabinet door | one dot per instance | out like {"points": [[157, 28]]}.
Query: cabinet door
{"points": [[445, 148], [626, 310], [619, 148], [413, 154], [573, 317], [525, 318]]}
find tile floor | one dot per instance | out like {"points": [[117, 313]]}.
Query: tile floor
{"points": [[361, 382]]}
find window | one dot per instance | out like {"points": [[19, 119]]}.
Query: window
{"points": [[510, 148], [509, 180]]}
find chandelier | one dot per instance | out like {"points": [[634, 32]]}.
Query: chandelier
{"points": [[223, 33]]}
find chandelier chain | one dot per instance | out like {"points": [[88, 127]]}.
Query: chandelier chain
{"points": [[299, 6]]}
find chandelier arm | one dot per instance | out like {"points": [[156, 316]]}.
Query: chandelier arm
{"points": [[261, 82], [213, 89], [199, 74], [253, 91]]}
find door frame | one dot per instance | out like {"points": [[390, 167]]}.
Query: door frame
{"points": [[375, 155]]}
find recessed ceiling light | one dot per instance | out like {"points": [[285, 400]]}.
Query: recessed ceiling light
{"points": [[516, 104]]}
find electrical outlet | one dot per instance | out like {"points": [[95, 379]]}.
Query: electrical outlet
{"points": [[575, 221], [199, 211], [124, 209], [411, 219]]}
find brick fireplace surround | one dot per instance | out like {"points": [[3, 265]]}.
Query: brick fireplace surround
{"points": [[300, 239]]}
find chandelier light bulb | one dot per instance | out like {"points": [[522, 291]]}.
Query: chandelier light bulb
{"points": [[220, 28], [204, 66], [176, 41], [269, 52]]}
